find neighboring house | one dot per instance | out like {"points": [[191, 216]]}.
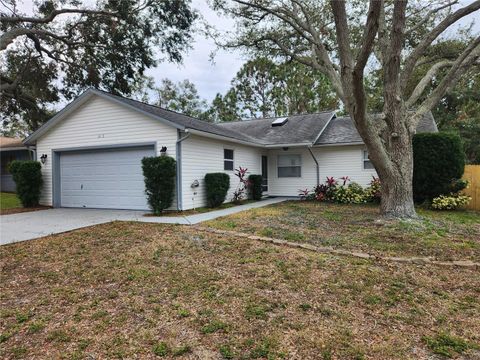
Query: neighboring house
{"points": [[10, 149], [94, 146]]}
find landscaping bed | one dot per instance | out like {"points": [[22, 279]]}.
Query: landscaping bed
{"points": [[448, 235], [126, 290], [202, 210]]}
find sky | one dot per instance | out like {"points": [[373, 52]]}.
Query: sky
{"points": [[209, 77]]}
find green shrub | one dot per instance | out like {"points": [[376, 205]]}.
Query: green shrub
{"points": [[255, 186], [217, 185], [28, 179], [450, 202], [352, 193], [439, 161], [159, 173]]}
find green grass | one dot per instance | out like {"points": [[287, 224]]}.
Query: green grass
{"points": [[448, 345], [9, 201]]}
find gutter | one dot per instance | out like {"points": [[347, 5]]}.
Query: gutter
{"points": [[178, 155], [316, 164]]}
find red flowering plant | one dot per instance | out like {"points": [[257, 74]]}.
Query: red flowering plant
{"points": [[304, 194], [242, 186]]}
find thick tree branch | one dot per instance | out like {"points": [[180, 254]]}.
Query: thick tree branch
{"points": [[468, 57], [412, 59], [369, 35], [425, 81]]}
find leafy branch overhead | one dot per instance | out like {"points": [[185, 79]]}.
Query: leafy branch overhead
{"points": [[73, 46], [343, 40]]}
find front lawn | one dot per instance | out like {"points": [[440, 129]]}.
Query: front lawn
{"points": [[450, 235], [9, 201], [132, 290]]}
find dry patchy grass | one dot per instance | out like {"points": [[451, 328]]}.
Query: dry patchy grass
{"points": [[450, 235], [126, 290]]}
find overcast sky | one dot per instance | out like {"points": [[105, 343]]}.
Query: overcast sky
{"points": [[209, 77]]}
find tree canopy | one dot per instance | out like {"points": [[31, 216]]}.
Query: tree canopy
{"points": [[70, 46], [344, 40]]}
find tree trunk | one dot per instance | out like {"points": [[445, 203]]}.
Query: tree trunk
{"points": [[397, 176]]}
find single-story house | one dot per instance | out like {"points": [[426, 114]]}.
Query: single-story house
{"points": [[92, 151], [10, 149]]}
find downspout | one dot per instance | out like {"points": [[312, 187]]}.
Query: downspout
{"points": [[179, 166], [316, 164]]}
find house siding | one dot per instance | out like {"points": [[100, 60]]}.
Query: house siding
{"points": [[336, 161], [202, 155], [100, 122]]}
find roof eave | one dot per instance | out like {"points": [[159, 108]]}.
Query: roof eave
{"points": [[340, 144], [222, 137]]}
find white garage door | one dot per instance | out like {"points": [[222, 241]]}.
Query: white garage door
{"points": [[105, 179]]}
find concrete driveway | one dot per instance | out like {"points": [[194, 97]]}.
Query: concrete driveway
{"points": [[35, 224]]}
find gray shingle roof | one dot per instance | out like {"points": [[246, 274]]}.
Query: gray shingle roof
{"points": [[298, 129], [341, 130]]}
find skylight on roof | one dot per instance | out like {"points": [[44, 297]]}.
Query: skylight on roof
{"points": [[279, 121]]}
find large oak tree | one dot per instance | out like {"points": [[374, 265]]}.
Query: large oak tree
{"points": [[341, 40], [66, 46]]}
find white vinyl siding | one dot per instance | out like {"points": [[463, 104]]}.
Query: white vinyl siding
{"points": [[202, 155], [336, 161], [101, 122]]}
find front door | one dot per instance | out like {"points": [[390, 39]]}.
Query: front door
{"points": [[264, 173]]}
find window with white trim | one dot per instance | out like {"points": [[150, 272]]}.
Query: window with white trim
{"points": [[228, 159], [289, 165], [367, 164]]}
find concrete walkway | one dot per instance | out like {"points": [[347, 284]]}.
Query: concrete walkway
{"points": [[35, 224]]}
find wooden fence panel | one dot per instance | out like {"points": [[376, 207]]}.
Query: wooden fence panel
{"points": [[472, 174]]}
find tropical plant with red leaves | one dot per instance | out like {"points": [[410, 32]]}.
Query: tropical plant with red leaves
{"points": [[242, 186]]}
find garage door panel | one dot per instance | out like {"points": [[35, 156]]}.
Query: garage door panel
{"points": [[109, 179]]}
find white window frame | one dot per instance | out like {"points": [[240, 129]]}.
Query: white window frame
{"points": [[289, 177], [366, 159], [232, 159]]}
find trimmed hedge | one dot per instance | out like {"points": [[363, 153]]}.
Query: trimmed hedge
{"points": [[28, 179], [438, 163], [159, 173], [217, 185], [255, 186]]}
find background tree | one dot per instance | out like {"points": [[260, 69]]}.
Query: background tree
{"points": [[67, 46], [181, 97], [263, 88], [339, 43]]}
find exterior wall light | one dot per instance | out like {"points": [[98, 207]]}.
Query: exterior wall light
{"points": [[163, 150], [43, 158]]}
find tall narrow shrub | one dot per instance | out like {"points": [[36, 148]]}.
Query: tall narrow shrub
{"points": [[438, 163], [159, 173], [255, 186], [217, 185], [28, 180]]}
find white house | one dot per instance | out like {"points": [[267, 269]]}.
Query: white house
{"points": [[91, 152]]}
